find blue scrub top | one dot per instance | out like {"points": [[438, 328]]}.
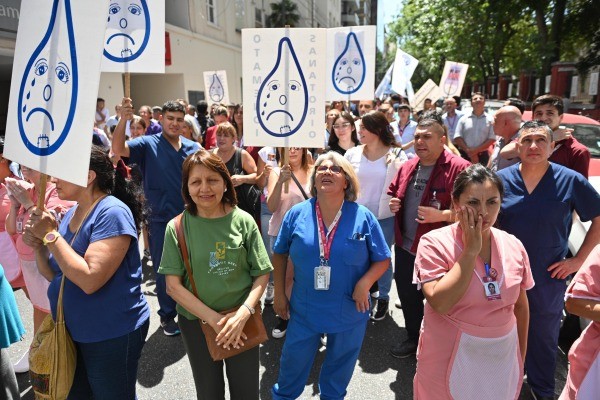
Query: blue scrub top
{"points": [[161, 167], [542, 220], [332, 310], [117, 308]]}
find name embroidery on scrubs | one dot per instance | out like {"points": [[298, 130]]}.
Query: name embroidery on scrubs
{"points": [[323, 271]]}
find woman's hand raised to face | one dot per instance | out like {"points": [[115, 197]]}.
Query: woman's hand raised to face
{"points": [[471, 225]]}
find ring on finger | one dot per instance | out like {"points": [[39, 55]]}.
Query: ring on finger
{"points": [[471, 226]]}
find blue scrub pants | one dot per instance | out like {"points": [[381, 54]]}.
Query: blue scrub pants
{"points": [[385, 282], [166, 304], [298, 354], [546, 303]]}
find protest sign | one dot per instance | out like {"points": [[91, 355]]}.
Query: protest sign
{"points": [[453, 78], [135, 36], [404, 68], [429, 90], [284, 86], [55, 79], [216, 88]]}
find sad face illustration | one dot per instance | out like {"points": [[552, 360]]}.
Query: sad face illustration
{"points": [[216, 90], [48, 89], [127, 31], [282, 101], [349, 71]]}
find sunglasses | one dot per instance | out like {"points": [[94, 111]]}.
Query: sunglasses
{"points": [[334, 169]]}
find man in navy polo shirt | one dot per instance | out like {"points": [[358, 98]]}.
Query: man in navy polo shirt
{"points": [[160, 158]]}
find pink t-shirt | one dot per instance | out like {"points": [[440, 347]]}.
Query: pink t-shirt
{"points": [[288, 200]]}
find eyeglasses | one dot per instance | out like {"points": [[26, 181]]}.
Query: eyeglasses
{"points": [[334, 169], [296, 148], [340, 126]]}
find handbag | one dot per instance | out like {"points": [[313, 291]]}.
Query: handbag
{"points": [[53, 356], [254, 329]]}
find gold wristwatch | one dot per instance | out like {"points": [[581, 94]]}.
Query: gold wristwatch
{"points": [[50, 237]]}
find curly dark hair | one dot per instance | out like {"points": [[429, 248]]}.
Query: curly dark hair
{"points": [[377, 123], [214, 163], [109, 181]]}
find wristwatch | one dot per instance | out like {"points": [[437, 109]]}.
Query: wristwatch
{"points": [[50, 237]]}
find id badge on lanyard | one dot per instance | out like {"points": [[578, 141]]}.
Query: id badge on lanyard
{"points": [[322, 274], [491, 286]]}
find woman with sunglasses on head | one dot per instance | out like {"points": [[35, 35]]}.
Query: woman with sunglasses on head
{"points": [[338, 251], [344, 135], [297, 174], [376, 163]]}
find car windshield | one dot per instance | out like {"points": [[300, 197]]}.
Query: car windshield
{"points": [[589, 136]]}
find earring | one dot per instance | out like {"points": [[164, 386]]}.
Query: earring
{"points": [[225, 190]]}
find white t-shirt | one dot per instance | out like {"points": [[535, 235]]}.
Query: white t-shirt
{"points": [[371, 176], [269, 157]]}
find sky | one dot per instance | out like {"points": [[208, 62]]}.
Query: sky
{"points": [[387, 10]]}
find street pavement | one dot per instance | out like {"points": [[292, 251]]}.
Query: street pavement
{"points": [[164, 371]]}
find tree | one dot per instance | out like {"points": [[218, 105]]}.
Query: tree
{"points": [[283, 13]]}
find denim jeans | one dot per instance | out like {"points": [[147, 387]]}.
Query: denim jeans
{"points": [[108, 369], [385, 282]]}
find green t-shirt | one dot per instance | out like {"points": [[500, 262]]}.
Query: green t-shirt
{"points": [[226, 254]]}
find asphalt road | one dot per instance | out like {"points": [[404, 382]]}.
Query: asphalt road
{"points": [[164, 371]]}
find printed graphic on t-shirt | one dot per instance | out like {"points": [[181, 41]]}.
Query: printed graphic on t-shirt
{"points": [[218, 263]]}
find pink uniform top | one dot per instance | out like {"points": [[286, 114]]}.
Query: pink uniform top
{"points": [[4, 207], [586, 350], [444, 337], [51, 203]]}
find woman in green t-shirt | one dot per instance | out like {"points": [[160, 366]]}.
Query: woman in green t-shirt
{"points": [[231, 268]]}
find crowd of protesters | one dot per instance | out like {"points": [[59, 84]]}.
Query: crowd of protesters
{"points": [[475, 208]]}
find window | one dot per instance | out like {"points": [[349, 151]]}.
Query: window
{"points": [[211, 11], [194, 96], [240, 15]]}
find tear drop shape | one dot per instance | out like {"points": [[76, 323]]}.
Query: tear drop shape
{"points": [[352, 61], [127, 30], [216, 90], [283, 119], [47, 124]]}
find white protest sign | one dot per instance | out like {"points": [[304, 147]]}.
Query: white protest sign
{"points": [[215, 87], [54, 86], [404, 68], [385, 86], [351, 63], [135, 36], [284, 86], [429, 90], [453, 78]]}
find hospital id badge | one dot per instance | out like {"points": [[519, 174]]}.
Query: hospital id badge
{"points": [[322, 274], [491, 288]]}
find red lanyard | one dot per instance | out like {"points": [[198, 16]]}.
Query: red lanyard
{"points": [[325, 240]]}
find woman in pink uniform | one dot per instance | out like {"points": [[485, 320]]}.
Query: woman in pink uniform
{"points": [[23, 198], [583, 299], [473, 339]]}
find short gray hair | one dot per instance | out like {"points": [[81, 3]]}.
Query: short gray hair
{"points": [[353, 188]]}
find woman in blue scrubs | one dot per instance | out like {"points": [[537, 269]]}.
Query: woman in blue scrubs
{"points": [[537, 208], [338, 251]]}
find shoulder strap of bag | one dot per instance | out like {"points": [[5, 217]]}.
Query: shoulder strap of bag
{"points": [[299, 186], [184, 250], [238, 164]]}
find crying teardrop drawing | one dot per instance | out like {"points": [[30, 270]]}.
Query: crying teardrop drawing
{"points": [[349, 69], [49, 87], [127, 30], [216, 91], [282, 101]]}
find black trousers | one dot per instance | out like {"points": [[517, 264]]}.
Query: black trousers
{"points": [[410, 297], [241, 370]]}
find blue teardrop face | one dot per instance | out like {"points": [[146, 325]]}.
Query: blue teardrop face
{"points": [[49, 86], [127, 31], [282, 101], [216, 91], [349, 69]]}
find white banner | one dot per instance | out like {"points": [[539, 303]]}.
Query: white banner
{"points": [[350, 63], [284, 86], [574, 86], [385, 86], [453, 78], [55, 77], [135, 36], [404, 68], [216, 88], [429, 90], [593, 90]]}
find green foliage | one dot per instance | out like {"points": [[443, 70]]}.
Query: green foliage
{"points": [[496, 37], [283, 13]]}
